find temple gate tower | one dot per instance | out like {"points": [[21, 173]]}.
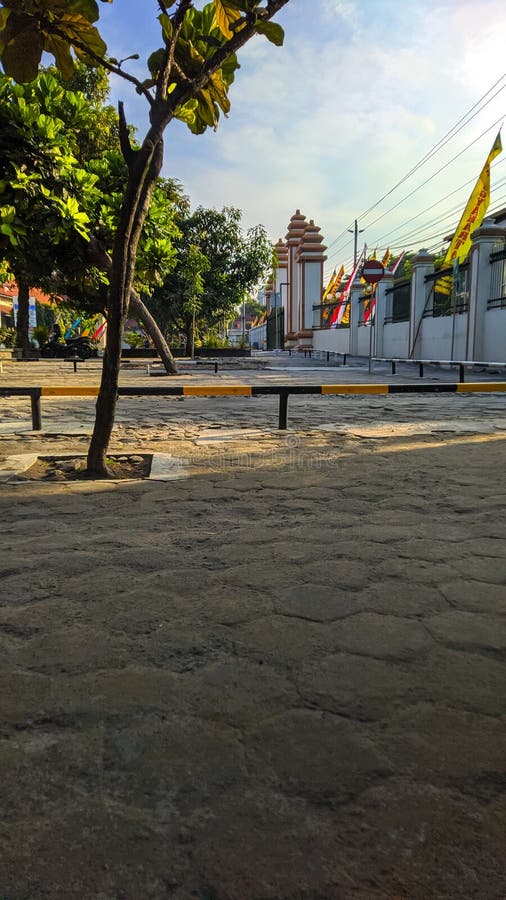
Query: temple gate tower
{"points": [[296, 229], [309, 259]]}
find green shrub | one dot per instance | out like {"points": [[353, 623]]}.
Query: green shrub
{"points": [[134, 339], [41, 334], [213, 342], [8, 337]]}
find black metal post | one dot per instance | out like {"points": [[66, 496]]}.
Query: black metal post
{"points": [[461, 374], [393, 368], [283, 410], [216, 368], [75, 365], [344, 358], [328, 355], [36, 411], [420, 368]]}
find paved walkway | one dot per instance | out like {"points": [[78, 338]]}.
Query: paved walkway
{"points": [[281, 677]]}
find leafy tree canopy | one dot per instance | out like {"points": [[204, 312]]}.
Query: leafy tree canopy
{"points": [[42, 186], [224, 262], [62, 179], [187, 78], [66, 29]]}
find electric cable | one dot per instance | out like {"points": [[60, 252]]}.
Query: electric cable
{"points": [[462, 122]]}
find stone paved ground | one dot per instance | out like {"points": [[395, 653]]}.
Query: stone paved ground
{"points": [[281, 677]]}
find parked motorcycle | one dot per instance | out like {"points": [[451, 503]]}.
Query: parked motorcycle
{"points": [[78, 346]]}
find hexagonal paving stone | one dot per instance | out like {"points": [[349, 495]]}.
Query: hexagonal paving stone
{"points": [[468, 629], [386, 637], [317, 602], [316, 754]]}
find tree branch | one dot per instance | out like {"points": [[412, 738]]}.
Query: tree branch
{"points": [[98, 255], [185, 92], [124, 137], [170, 46], [101, 61]]}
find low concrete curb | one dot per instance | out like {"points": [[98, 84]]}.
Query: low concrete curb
{"points": [[164, 466], [15, 465]]}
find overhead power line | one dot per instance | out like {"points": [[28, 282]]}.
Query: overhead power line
{"points": [[438, 171], [453, 131], [452, 214], [441, 143], [384, 237]]}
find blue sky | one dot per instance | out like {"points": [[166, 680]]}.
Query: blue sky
{"points": [[330, 122]]}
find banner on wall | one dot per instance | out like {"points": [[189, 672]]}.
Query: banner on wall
{"points": [[32, 312]]}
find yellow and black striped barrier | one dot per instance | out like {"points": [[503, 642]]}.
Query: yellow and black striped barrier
{"points": [[282, 391]]}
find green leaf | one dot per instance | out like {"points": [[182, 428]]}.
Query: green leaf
{"points": [[77, 28], [224, 16], [21, 47], [86, 8], [4, 15], [166, 23], [206, 109], [63, 57], [155, 61], [272, 31], [218, 92], [186, 113]]}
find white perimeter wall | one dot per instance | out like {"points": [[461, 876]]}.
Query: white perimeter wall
{"points": [[436, 342], [336, 339], [363, 338], [495, 335], [258, 335], [395, 340]]}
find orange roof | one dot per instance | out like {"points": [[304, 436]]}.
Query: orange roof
{"points": [[10, 289]]}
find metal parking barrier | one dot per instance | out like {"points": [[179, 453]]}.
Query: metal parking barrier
{"points": [[243, 390]]}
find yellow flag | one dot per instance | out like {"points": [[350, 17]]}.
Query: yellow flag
{"points": [[472, 217], [387, 256], [337, 281], [346, 315], [329, 286], [475, 210]]}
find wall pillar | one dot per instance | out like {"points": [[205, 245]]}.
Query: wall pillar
{"points": [[296, 228], [381, 306], [422, 265], [310, 258], [484, 241]]}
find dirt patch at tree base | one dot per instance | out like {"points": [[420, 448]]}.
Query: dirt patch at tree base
{"points": [[73, 468]]}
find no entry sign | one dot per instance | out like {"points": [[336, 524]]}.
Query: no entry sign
{"points": [[373, 271]]}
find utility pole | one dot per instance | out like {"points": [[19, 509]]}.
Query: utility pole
{"points": [[355, 231]]}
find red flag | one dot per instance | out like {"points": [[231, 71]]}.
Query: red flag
{"points": [[338, 313]]}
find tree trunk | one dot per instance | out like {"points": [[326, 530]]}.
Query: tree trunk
{"points": [[190, 338], [22, 337], [101, 259], [143, 172], [144, 166], [141, 312]]}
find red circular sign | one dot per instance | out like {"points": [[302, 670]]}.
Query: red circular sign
{"points": [[373, 271]]}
